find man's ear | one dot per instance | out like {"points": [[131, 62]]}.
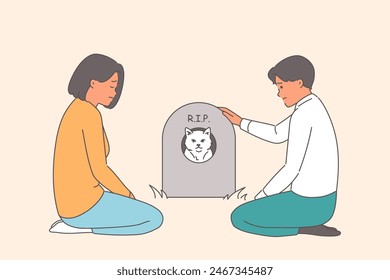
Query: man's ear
{"points": [[300, 82], [92, 83]]}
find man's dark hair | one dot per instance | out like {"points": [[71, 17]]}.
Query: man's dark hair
{"points": [[294, 68], [95, 67]]}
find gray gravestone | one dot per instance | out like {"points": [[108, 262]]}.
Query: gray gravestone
{"points": [[199, 153]]}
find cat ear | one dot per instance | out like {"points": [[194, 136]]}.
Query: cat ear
{"points": [[188, 131], [207, 131]]}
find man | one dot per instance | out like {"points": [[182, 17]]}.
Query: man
{"points": [[311, 165]]}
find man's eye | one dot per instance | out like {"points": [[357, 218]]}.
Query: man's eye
{"points": [[281, 87]]}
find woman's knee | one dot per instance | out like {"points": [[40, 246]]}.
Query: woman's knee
{"points": [[155, 217]]}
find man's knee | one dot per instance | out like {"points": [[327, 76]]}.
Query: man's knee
{"points": [[237, 217]]}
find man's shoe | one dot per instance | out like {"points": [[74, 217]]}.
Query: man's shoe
{"points": [[320, 230]]}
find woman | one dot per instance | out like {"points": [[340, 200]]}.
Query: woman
{"points": [[80, 168]]}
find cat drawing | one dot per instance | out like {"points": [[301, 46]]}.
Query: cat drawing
{"points": [[198, 145]]}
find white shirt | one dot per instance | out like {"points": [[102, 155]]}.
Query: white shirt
{"points": [[311, 166]]}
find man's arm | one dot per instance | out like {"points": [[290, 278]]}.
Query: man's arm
{"points": [[271, 133], [298, 141], [268, 132]]}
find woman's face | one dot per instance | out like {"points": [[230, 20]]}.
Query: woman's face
{"points": [[104, 92]]}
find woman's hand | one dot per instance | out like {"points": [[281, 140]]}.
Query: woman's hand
{"points": [[232, 117], [131, 195]]}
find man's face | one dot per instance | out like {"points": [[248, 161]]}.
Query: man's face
{"points": [[290, 92]]}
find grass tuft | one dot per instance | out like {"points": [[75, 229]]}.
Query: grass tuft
{"points": [[157, 193], [236, 195]]}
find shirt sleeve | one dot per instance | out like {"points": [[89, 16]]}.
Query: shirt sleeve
{"points": [[93, 134], [268, 132], [298, 141]]}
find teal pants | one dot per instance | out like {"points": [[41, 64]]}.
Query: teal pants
{"points": [[283, 214]]}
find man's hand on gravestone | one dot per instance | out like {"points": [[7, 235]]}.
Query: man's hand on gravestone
{"points": [[232, 117]]}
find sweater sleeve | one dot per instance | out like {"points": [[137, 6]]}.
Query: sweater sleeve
{"points": [[93, 136]]}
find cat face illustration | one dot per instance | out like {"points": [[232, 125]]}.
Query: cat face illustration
{"points": [[198, 144]]}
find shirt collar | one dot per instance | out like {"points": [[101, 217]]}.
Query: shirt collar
{"points": [[304, 100]]}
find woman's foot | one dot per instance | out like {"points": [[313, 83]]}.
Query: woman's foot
{"points": [[60, 227], [320, 230]]}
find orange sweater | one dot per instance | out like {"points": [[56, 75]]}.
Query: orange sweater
{"points": [[80, 161]]}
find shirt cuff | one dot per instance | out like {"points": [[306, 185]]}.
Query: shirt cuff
{"points": [[244, 125]]}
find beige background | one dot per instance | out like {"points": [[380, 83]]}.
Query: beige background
{"points": [[174, 53]]}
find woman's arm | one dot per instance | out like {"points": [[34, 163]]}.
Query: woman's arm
{"points": [[93, 136]]}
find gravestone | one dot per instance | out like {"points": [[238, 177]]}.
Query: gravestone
{"points": [[199, 153]]}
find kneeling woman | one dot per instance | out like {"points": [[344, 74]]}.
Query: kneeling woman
{"points": [[80, 167]]}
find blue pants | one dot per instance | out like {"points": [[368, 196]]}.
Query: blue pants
{"points": [[283, 214], [114, 214]]}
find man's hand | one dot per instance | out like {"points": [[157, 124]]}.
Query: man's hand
{"points": [[232, 117], [261, 194]]}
